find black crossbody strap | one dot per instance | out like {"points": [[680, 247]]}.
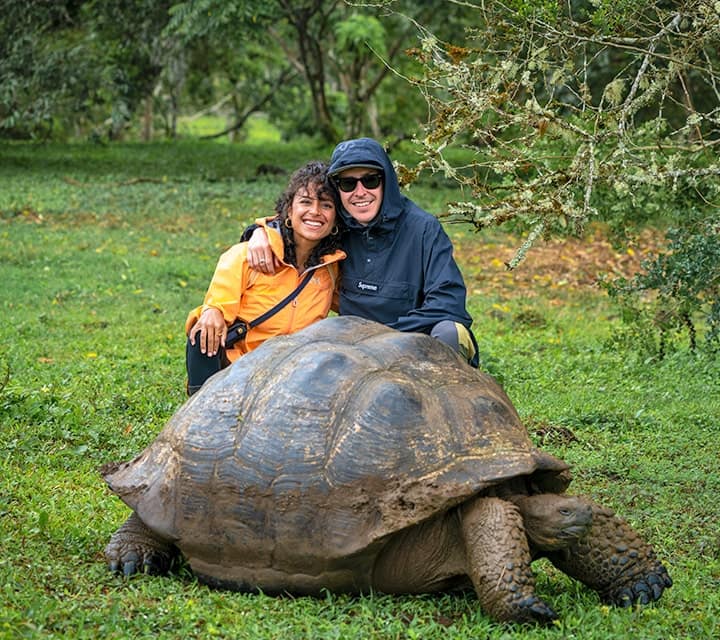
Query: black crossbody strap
{"points": [[282, 303]]}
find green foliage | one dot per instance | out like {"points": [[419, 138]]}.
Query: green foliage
{"points": [[78, 68], [678, 286], [39, 60], [218, 19], [553, 111], [613, 16], [551, 115], [539, 9], [104, 249], [361, 34], [112, 70]]}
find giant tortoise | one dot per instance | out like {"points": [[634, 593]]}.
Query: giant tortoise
{"points": [[352, 457]]}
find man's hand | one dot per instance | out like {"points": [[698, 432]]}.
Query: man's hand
{"points": [[212, 329], [259, 254]]}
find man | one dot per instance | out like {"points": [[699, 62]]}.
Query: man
{"points": [[399, 269]]}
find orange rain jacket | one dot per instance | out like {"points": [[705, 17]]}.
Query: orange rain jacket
{"points": [[240, 292]]}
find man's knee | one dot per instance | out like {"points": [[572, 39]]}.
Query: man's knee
{"points": [[458, 337]]}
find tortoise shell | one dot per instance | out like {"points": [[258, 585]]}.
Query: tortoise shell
{"points": [[292, 467]]}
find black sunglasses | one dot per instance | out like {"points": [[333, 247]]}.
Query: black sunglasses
{"points": [[369, 181]]}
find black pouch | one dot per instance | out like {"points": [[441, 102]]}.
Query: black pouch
{"points": [[236, 332]]}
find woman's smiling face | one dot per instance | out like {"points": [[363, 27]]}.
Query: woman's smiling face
{"points": [[312, 217]]}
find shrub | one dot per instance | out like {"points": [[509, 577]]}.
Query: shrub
{"points": [[678, 286]]}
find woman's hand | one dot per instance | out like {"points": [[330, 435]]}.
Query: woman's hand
{"points": [[259, 254], [212, 329]]}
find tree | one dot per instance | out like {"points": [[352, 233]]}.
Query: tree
{"points": [[295, 28], [315, 66], [137, 55], [544, 143], [343, 50], [39, 60], [74, 63], [676, 286], [550, 114]]}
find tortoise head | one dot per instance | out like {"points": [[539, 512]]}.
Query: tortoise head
{"points": [[554, 521]]}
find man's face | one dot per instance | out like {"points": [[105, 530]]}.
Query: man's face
{"points": [[361, 202]]}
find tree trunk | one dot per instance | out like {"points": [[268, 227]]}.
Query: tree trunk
{"points": [[312, 59], [147, 120]]}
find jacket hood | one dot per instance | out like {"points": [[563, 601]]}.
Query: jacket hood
{"points": [[366, 152]]}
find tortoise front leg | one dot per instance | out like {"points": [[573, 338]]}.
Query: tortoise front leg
{"points": [[498, 561], [614, 561], [134, 547]]}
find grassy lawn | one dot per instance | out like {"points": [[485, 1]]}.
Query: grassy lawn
{"points": [[104, 249]]}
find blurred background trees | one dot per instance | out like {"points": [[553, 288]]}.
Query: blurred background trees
{"points": [[130, 68]]}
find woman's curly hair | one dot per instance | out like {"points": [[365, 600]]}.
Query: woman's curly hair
{"points": [[314, 173]]}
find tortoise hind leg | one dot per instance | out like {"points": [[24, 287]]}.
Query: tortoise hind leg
{"points": [[498, 561], [134, 548], [614, 561]]}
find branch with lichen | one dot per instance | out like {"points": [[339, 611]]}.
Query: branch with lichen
{"points": [[539, 141]]}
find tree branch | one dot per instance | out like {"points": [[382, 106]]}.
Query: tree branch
{"points": [[253, 108]]}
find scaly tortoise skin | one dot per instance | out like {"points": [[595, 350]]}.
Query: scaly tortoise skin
{"points": [[352, 457]]}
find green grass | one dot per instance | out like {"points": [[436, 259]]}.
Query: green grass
{"points": [[98, 271]]}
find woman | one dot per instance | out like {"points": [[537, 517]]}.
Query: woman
{"points": [[304, 238]]}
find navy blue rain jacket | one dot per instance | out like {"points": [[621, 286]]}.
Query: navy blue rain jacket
{"points": [[399, 269]]}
